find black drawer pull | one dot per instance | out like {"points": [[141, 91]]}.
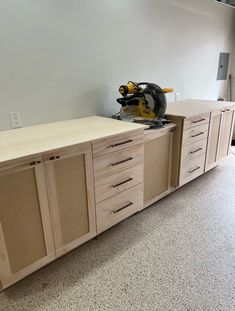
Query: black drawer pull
{"points": [[122, 208], [123, 143], [54, 158], [195, 151], [35, 163], [122, 183], [197, 121], [123, 161], [196, 169], [199, 134]]}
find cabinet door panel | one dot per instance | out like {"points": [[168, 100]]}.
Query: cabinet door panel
{"points": [[71, 196], [70, 182], [26, 236], [225, 137], [213, 139], [157, 167]]}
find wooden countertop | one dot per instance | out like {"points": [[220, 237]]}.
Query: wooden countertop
{"points": [[32, 140], [194, 107]]}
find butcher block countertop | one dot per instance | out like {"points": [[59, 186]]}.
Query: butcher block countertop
{"points": [[33, 140], [194, 107]]}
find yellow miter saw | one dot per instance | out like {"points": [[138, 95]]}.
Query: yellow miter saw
{"points": [[144, 102]]}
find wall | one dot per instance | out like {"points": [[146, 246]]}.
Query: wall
{"points": [[66, 59]]}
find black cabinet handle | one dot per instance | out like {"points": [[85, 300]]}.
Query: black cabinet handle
{"points": [[123, 161], [35, 163], [122, 183], [199, 134], [195, 151], [197, 121], [122, 143], [196, 169], [122, 208], [54, 158]]}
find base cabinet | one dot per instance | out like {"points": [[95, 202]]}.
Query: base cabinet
{"points": [[26, 241], [71, 197], [158, 147]]}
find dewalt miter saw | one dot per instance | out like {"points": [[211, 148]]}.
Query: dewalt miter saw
{"points": [[144, 102]]}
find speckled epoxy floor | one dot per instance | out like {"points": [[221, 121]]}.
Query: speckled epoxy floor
{"points": [[178, 255]]}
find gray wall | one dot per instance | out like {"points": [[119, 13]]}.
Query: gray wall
{"points": [[64, 59]]}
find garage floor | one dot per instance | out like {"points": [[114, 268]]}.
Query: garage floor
{"points": [[177, 255]]}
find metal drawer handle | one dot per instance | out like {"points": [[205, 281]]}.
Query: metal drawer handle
{"points": [[199, 134], [35, 163], [123, 161], [196, 169], [195, 151], [122, 183], [197, 121], [122, 208], [54, 158], [123, 143]]}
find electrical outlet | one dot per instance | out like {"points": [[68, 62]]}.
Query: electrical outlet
{"points": [[15, 118], [177, 97]]}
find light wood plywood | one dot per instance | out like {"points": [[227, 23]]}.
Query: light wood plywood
{"points": [[115, 162], [71, 197], [109, 186], [19, 143], [157, 166], [25, 227], [195, 107], [115, 209]]}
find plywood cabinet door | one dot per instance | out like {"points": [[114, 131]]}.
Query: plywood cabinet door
{"points": [[213, 139], [157, 166], [71, 196], [226, 133], [220, 135], [26, 241]]}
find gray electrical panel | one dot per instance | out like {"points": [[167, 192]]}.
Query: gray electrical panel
{"points": [[223, 66]]}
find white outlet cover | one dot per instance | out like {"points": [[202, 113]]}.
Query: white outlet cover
{"points": [[16, 120]]}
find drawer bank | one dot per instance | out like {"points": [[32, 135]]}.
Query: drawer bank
{"points": [[63, 183]]}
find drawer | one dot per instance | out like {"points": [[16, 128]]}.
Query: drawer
{"points": [[115, 209], [195, 134], [116, 183], [118, 161], [116, 143], [196, 120], [192, 169], [194, 150]]}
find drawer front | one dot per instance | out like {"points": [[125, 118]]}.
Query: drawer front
{"points": [[116, 183], [116, 143], [195, 134], [192, 169], [118, 161], [194, 150], [113, 210], [196, 120]]}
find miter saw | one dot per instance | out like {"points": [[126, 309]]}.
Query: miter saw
{"points": [[143, 102]]}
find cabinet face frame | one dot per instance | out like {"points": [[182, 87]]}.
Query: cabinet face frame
{"points": [[7, 277], [155, 135], [85, 150]]}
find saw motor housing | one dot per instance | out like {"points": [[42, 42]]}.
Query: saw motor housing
{"points": [[138, 94]]}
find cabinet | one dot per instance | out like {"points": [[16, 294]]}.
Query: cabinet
{"points": [[220, 135], [26, 241], [71, 196], [158, 145]]}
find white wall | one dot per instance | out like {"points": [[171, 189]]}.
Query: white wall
{"points": [[64, 59]]}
